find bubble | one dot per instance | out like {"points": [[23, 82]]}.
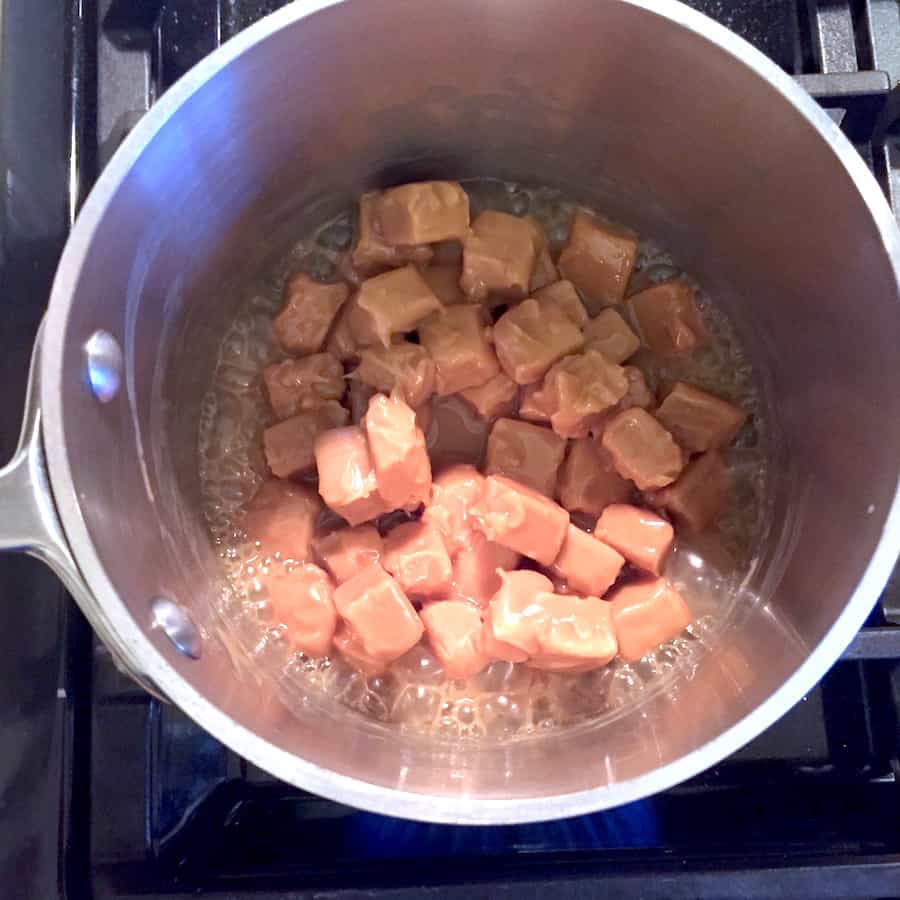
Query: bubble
{"points": [[336, 236], [702, 628], [503, 714], [319, 266], [500, 676], [447, 727], [625, 687], [519, 203], [542, 712], [374, 706], [263, 609], [651, 666], [234, 346], [575, 697], [466, 713], [353, 689], [661, 272], [558, 233], [235, 378], [419, 666], [416, 704], [264, 305], [272, 648]]}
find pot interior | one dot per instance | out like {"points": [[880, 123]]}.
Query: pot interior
{"points": [[623, 107]]}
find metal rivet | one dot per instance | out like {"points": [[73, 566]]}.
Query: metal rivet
{"points": [[177, 626], [104, 365]]}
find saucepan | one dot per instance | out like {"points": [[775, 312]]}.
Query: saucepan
{"points": [[644, 108]]}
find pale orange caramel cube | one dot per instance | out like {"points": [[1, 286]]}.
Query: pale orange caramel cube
{"points": [[588, 482], [563, 295], [454, 494], [668, 319], [477, 567], [573, 633], [531, 337], [444, 281], [697, 498], [532, 403], [522, 519], [454, 629], [494, 648], [609, 333], [515, 610], [642, 537], [499, 254], [398, 452], [646, 614], [497, 397], [281, 519], [379, 613], [347, 480], [309, 309], [545, 271], [340, 342], [579, 391], [296, 385], [642, 450], [530, 454], [349, 273], [346, 551], [457, 341], [554, 631], [598, 259], [302, 600], [350, 647], [392, 303], [372, 254], [638, 393], [415, 554], [403, 367], [698, 420], [290, 445], [424, 212], [585, 564]]}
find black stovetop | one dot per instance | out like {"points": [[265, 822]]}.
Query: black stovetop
{"points": [[105, 792]]}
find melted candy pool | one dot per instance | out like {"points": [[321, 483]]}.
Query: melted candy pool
{"points": [[505, 699]]}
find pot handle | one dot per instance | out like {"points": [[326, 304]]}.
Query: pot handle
{"points": [[29, 522]]}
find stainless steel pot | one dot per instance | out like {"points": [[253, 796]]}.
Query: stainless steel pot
{"points": [[648, 109]]}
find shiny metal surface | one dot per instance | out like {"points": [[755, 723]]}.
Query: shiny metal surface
{"points": [[834, 42], [177, 625], [29, 522], [705, 143], [103, 365], [35, 137]]}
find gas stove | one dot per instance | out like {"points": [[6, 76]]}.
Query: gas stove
{"points": [[105, 792]]}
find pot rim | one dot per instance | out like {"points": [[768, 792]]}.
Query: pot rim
{"points": [[286, 765]]}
